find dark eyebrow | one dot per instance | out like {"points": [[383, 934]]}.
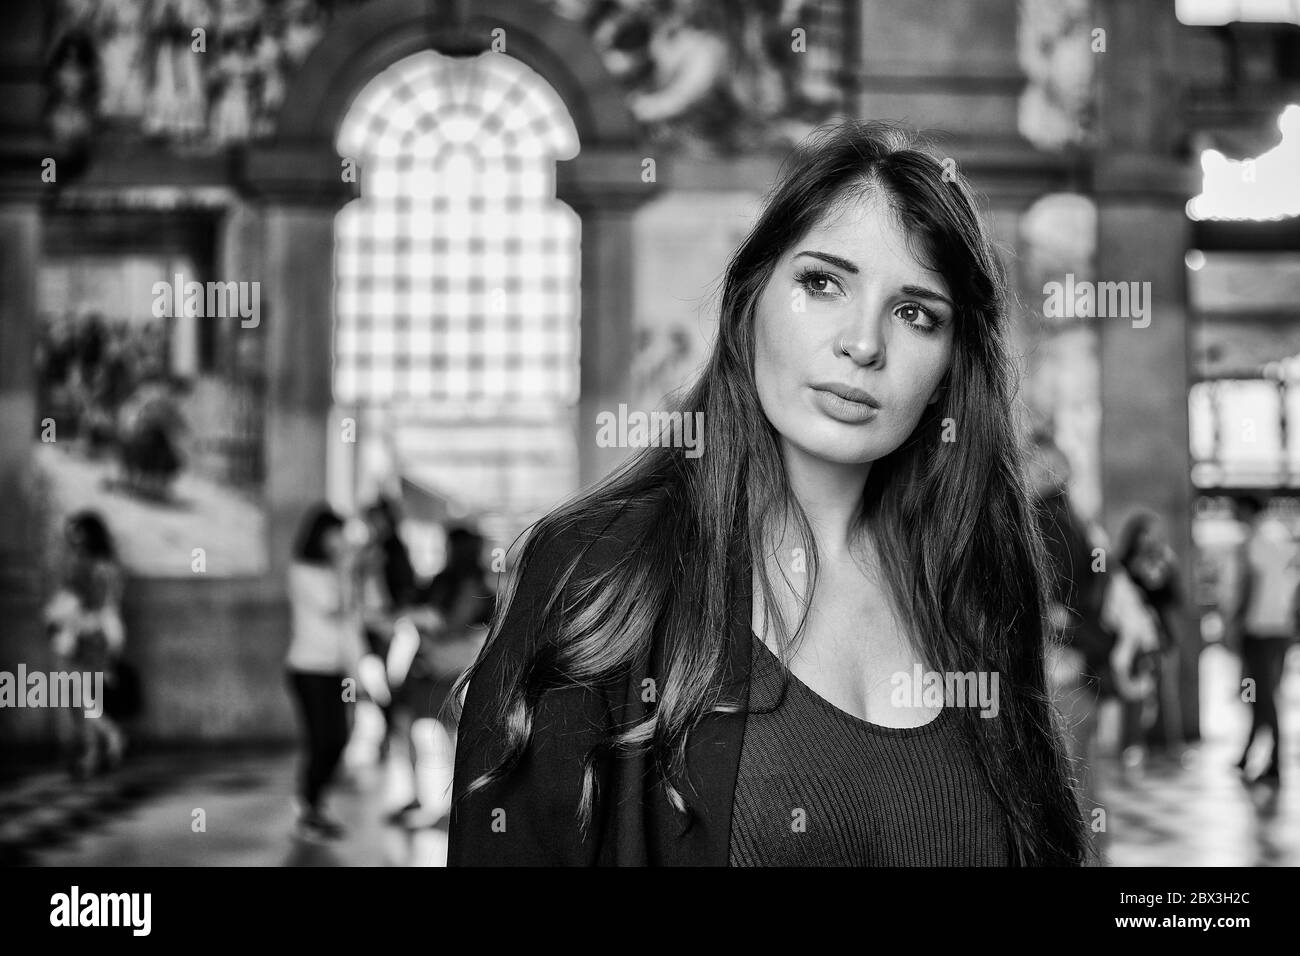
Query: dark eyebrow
{"points": [[921, 292], [833, 260]]}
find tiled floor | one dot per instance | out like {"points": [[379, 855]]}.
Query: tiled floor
{"points": [[1169, 812], [1197, 811], [147, 813]]}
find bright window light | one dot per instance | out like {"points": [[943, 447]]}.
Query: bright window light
{"points": [[1263, 187]]}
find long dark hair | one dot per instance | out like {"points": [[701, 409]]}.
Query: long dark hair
{"points": [[1169, 590], [1130, 535], [966, 554], [91, 535], [309, 546]]}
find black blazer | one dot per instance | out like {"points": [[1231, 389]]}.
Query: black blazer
{"points": [[530, 818]]}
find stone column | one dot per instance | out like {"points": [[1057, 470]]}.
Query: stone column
{"points": [[300, 189], [20, 245], [21, 586], [23, 148], [1143, 232], [605, 188]]}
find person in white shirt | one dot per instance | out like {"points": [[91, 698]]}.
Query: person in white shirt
{"points": [[325, 649], [1264, 625]]}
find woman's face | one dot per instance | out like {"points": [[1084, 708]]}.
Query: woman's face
{"points": [[333, 544], [1152, 554], [853, 338], [1151, 541]]}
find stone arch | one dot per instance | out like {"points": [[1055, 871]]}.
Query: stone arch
{"points": [[366, 40]]}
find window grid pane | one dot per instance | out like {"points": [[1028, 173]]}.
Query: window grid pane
{"points": [[456, 291]]}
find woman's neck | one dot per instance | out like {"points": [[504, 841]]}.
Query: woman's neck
{"points": [[830, 494]]}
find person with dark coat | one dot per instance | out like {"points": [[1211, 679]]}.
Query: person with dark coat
{"points": [[459, 603], [731, 655], [1151, 564], [391, 588]]}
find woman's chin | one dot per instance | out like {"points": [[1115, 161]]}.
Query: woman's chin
{"points": [[839, 444]]}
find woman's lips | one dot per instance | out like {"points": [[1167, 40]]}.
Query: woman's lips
{"points": [[842, 409], [848, 393]]}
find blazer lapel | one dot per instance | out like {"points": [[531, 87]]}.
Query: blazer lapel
{"points": [[713, 753]]}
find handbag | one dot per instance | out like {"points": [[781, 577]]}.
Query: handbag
{"points": [[123, 699]]}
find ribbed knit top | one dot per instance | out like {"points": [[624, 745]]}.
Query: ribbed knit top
{"points": [[819, 787]]}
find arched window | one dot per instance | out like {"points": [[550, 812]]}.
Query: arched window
{"points": [[457, 284]]}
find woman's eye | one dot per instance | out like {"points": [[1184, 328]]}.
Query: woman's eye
{"points": [[821, 285], [919, 316]]}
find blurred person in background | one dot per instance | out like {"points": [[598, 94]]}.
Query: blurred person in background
{"points": [[1099, 621], [1146, 555], [439, 644], [90, 345], [326, 647], [114, 381], [56, 362], [1133, 659], [1263, 626], [390, 587], [84, 622], [1078, 664], [150, 425], [388, 555]]}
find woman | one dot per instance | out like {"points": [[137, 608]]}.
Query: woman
{"points": [[1145, 554], [442, 644], [699, 661], [1078, 668], [325, 650], [84, 621], [389, 586], [1264, 624], [462, 599]]}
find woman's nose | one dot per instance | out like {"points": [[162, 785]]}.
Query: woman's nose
{"points": [[865, 341]]}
